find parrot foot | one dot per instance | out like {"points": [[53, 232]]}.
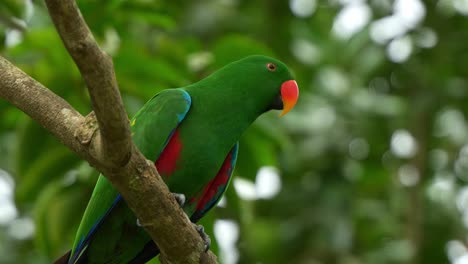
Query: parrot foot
{"points": [[206, 239], [180, 198]]}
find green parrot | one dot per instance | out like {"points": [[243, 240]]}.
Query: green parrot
{"points": [[191, 134]]}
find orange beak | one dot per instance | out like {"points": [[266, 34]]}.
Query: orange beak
{"points": [[289, 95]]}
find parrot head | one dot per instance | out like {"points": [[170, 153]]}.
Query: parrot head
{"points": [[250, 86], [265, 83]]}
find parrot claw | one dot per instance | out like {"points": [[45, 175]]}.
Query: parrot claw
{"points": [[206, 239], [180, 198], [138, 223]]}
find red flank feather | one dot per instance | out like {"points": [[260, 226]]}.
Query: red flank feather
{"points": [[167, 162]]}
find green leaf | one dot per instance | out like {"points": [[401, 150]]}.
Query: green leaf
{"points": [[14, 8], [57, 215], [234, 47], [42, 170], [32, 139]]}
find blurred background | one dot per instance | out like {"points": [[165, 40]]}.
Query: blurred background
{"points": [[370, 167]]}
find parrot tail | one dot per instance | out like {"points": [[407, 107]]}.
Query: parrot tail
{"points": [[149, 251], [63, 259]]}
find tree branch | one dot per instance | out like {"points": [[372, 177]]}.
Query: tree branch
{"points": [[116, 157], [97, 70], [50, 110]]}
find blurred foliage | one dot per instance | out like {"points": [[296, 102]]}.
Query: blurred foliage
{"points": [[373, 160]]}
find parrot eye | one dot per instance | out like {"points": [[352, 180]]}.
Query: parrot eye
{"points": [[271, 67]]}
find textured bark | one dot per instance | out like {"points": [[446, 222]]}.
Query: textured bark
{"points": [[103, 137], [41, 104], [98, 72]]}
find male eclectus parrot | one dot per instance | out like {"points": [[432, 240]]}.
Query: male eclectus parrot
{"points": [[191, 134]]}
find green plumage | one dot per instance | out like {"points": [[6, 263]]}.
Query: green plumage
{"points": [[193, 132]]}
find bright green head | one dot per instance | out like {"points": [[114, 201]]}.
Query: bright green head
{"points": [[252, 85]]}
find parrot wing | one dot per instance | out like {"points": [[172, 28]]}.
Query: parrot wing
{"points": [[214, 190], [152, 127]]}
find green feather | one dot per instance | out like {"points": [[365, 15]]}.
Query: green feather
{"points": [[222, 106]]}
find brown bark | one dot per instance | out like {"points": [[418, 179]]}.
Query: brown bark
{"points": [[97, 70]]}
